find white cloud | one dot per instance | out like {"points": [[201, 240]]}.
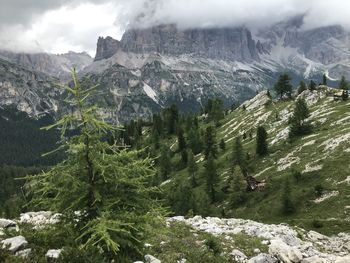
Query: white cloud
{"points": [[61, 25], [67, 28]]}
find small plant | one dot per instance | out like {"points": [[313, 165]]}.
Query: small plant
{"points": [[317, 223], [213, 245], [297, 175], [318, 189]]}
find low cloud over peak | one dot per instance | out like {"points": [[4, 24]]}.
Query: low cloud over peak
{"points": [[61, 25]]}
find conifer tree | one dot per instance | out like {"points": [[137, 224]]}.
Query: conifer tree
{"points": [[210, 142], [283, 86], [192, 168], [297, 123], [237, 188], [211, 177], [222, 145], [165, 162], [312, 85], [324, 80], [343, 84], [261, 141], [302, 87], [238, 157], [194, 140], [181, 140], [106, 183], [288, 206]]}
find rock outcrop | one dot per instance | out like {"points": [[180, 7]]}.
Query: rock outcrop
{"points": [[285, 244], [214, 43], [106, 48]]}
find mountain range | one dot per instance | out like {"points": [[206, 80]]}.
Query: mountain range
{"points": [[151, 68]]}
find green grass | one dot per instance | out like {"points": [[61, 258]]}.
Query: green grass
{"points": [[266, 206]]}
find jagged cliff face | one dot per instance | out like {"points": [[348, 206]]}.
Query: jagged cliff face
{"points": [[106, 48], [214, 43], [54, 65], [30, 92]]}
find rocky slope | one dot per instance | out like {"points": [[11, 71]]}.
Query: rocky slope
{"points": [[239, 241], [316, 165], [29, 91], [58, 66], [188, 66]]}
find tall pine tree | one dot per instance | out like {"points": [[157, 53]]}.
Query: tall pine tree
{"points": [[261, 141], [108, 185]]}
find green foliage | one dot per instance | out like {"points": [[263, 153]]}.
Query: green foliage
{"points": [[181, 142], [261, 141], [288, 206], [283, 86], [297, 175], [312, 85], [192, 168], [302, 87], [213, 244], [194, 140], [210, 147], [214, 109], [211, 177], [343, 84], [171, 119], [22, 140], [324, 80], [238, 195], [238, 157], [297, 124], [165, 166], [222, 145], [318, 189], [106, 183]]}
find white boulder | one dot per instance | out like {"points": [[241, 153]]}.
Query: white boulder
{"points": [[23, 253], [5, 223], [151, 259], [263, 258], [14, 243], [285, 253], [53, 253], [238, 256]]}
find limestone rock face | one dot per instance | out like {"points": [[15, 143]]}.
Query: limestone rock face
{"points": [[14, 243], [285, 253], [215, 43], [54, 65], [151, 259], [5, 223], [106, 48]]}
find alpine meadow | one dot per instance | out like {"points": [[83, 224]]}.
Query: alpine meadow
{"points": [[192, 132]]}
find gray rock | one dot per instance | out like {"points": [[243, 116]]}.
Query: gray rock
{"points": [[151, 259], [263, 258], [53, 253], [14, 243], [23, 253], [215, 43], [5, 223], [283, 252], [238, 255], [106, 48]]}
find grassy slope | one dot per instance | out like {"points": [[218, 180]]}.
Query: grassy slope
{"points": [[331, 121]]}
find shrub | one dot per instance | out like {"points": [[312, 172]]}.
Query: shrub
{"points": [[214, 245]]}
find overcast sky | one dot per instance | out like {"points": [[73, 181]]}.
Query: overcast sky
{"points": [[57, 26]]}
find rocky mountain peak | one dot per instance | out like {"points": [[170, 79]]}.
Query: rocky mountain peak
{"points": [[213, 43], [106, 48]]}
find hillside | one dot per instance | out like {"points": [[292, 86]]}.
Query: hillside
{"points": [[317, 164]]}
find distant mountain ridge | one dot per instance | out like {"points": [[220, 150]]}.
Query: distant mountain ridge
{"points": [[55, 65], [154, 67]]}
